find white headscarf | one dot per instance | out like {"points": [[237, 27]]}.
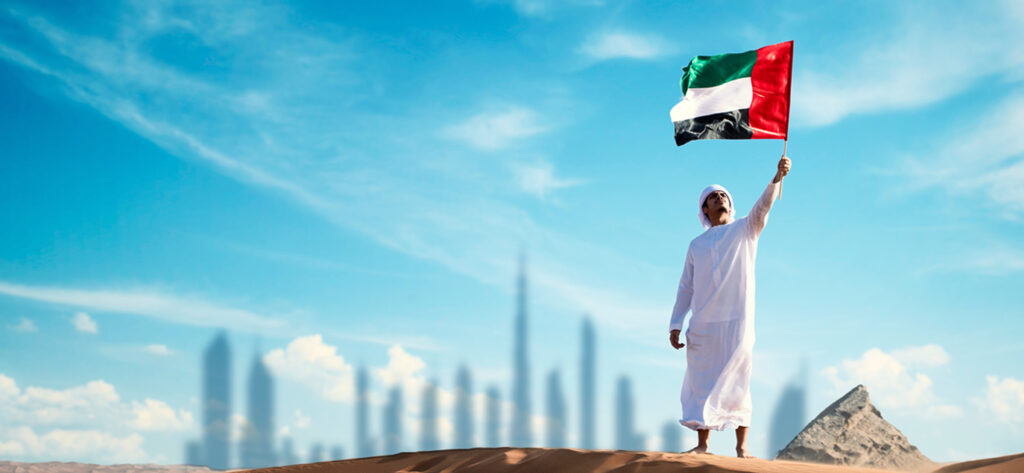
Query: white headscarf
{"points": [[704, 195]]}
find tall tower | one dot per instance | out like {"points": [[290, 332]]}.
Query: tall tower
{"points": [[258, 438], [521, 411], [671, 437], [364, 447], [428, 429], [625, 437], [216, 449], [393, 421], [556, 412], [790, 415], [587, 378], [493, 422], [464, 409]]}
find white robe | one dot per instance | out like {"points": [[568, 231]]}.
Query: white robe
{"points": [[718, 286]]}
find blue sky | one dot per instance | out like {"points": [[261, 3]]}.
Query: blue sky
{"points": [[350, 185]]}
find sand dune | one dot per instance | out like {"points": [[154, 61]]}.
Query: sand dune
{"points": [[568, 460], [530, 460]]}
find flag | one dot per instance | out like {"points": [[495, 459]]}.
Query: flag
{"points": [[738, 96]]}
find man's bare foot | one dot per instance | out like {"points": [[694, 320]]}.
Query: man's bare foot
{"points": [[698, 450], [743, 453]]}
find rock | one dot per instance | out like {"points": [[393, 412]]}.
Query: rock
{"points": [[852, 432]]}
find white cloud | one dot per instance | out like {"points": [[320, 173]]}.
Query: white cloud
{"points": [[95, 403], [910, 65], [496, 129], [545, 8], [1005, 399], [539, 179], [301, 421], [73, 445], [157, 415], [401, 367], [891, 381], [84, 323], [316, 365], [24, 326], [151, 303], [620, 44], [158, 349]]}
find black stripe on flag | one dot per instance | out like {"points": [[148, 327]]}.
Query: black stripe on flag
{"points": [[734, 125]]}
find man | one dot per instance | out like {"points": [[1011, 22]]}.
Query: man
{"points": [[718, 286]]}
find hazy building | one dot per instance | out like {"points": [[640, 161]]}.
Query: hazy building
{"points": [[464, 409], [492, 425], [556, 422], [194, 454], [364, 446], [521, 435], [428, 426], [287, 456], [316, 454], [257, 449], [672, 437], [216, 450], [588, 416], [337, 453], [625, 437], [789, 417], [393, 421]]}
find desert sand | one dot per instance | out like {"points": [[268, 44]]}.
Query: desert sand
{"points": [[569, 460], [530, 460]]}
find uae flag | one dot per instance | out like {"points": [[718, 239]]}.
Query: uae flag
{"points": [[738, 96]]}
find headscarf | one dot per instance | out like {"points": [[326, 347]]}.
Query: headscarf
{"points": [[704, 195]]}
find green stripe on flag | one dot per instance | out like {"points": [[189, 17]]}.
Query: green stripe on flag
{"points": [[711, 71]]}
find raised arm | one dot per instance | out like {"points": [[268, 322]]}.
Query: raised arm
{"points": [[684, 296], [759, 214]]}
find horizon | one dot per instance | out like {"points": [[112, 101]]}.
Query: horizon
{"points": [[345, 186]]}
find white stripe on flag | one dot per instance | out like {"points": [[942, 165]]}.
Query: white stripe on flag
{"points": [[733, 95]]}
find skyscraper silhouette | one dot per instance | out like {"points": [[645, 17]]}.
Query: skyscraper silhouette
{"points": [[288, 456], [194, 453], [588, 417], [790, 415], [464, 409], [337, 453], [556, 421], [257, 450], [625, 437], [521, 435], [428, 427], [364, 447], [216, 449], [316, 454], [393, 421], [671, 437], [493, 423]]}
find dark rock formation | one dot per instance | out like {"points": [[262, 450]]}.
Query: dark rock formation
{"points": [[852, 432]]}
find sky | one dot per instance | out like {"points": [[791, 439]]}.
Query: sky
{"points": [[351, 184]]}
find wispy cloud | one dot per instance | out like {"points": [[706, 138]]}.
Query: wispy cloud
{"points": [[83, 323], [158, 349], [148, 303], [25, 325], [497, 129], [1004, 398], [624, 45], [545, 8], [925, 58], [539, 179]]}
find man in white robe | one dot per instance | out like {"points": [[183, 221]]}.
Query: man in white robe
{"points": [[718, 287]]}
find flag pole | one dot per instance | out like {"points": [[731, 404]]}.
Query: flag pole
{"points": [[785, 143]]}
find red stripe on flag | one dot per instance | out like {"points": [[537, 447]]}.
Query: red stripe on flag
{"points": [[770, 79]]}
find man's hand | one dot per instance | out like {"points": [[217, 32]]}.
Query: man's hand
{"points": [[784, 165], [674, 339]]}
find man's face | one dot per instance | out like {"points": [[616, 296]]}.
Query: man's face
{"points": [[716, 201]]}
